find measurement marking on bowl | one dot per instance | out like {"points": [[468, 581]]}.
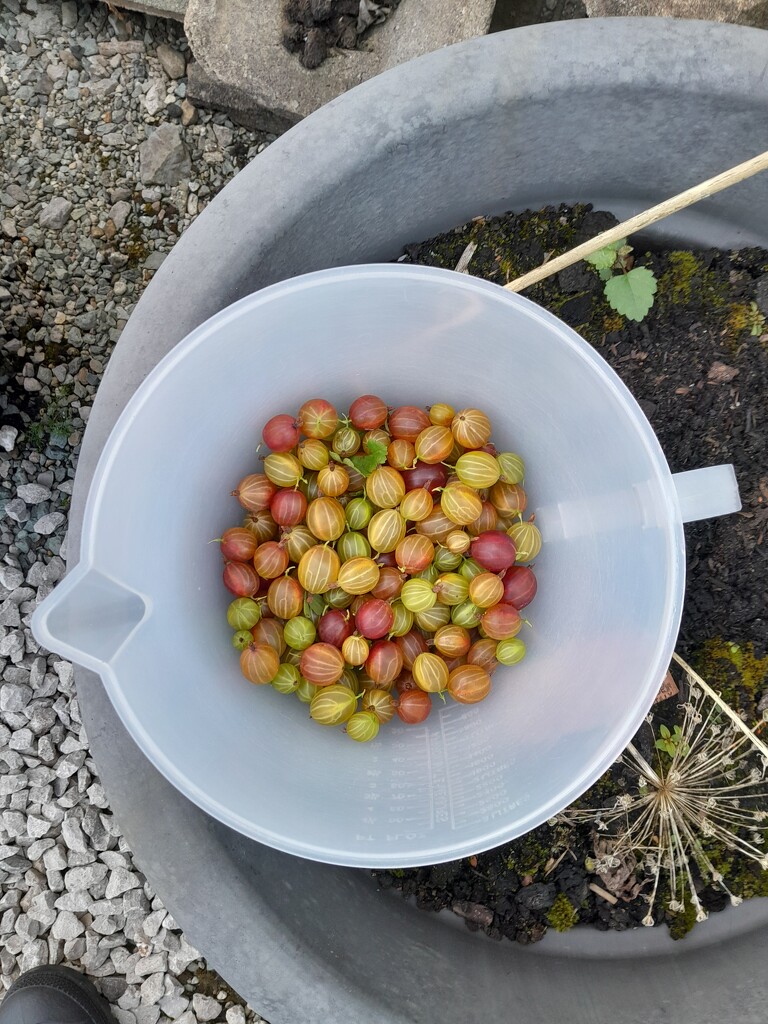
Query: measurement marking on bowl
{"points": [[430, 786], [476, 789], [411, 788]]}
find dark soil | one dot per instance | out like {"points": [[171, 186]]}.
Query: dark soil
{"points": [[313, 27], [698, 365], [518, 13]]}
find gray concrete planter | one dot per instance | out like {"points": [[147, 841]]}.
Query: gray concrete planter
{"points": [[619, 112]]}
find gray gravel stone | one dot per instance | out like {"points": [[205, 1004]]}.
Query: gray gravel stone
{"points": [[33, 494], [164, 159], [56, 860], [172, 61], [86, 877], [67, 926], [120, 881], [56, 214], [74, 948], [46, 524], [235, 1015], [153, 964], [205, 1007], [147, 1014], [154, 100], [22, 739], [152, 989], [11, 577], [16, 509], [37, 827], [9, 613], [34, 954], [118, 213], [69, 14], [14, 696], [72, 834], [8, 434], [174, 1005], [11, 784]]}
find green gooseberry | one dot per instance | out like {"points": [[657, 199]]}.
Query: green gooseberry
{"points": [[510, 651], [466, 614], [299, 633], [431, 619], [403, 619], [470, 569], [352, 545], [287, 679], [332, 705], [305, 691], [446, 560], [429, 574], [358, 513], [363, 726], [241, 639], [243, 613], [512, 467]]}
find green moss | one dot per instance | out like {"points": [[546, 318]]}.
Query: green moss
{"points": [[136, 248], [680, 924], [563, 914], [749, 882], [687, 280], [745, 318], [743, 876], [527, 855], [397, 872], [613, 322], [736, 672], [508, 246], [602, 792]]}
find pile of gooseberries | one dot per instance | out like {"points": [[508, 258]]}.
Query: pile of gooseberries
{"points": [[382, 559]]}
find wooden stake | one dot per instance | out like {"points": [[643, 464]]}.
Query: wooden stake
{"points": [[641, 220], [609, 897]]}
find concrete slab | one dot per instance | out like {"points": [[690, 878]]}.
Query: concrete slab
{"points": [[244, 68], [175, 9], [736, 12]]}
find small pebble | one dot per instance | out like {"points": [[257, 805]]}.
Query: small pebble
{"points": [[46, 524], [205, 1007]]}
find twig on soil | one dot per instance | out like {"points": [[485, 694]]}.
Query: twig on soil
{"points": [[462, 267], [603, 893], [552, 864]]}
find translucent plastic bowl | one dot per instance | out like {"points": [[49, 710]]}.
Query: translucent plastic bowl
{"points": [[145, 606]]}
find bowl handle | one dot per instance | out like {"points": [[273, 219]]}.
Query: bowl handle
{"points": [[88, 617], [705, 493]]}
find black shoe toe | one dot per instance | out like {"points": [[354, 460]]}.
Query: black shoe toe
{"points": [[53, 995]]}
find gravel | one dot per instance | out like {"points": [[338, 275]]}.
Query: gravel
{"points": [[106, 163]]}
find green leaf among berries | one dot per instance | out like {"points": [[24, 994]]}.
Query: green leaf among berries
{"points": [[365, 464]]}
